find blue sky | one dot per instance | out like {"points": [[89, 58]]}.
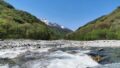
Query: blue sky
{"points": [[70, 13]]}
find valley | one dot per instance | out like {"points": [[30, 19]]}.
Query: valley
{"points": [[28, 41]]}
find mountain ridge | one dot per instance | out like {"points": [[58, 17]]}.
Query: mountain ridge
{"points": [[17, 24], [102, 28], [58, 30]]}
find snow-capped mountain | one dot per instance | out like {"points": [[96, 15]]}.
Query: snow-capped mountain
{"points": [[51, 24], [56, 29]]}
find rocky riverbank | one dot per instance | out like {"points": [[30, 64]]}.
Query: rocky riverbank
{"points": [[59, 54]]}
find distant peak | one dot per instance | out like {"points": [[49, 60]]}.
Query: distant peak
{"points": [[45, 21], [62, 27], [52, 24]]}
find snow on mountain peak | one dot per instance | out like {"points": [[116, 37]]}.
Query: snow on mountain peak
{"points": [[62, 27], [51, 24], [45, 21]]}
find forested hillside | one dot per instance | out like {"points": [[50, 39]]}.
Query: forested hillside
{"points": [[104, 27], [17, 24]]}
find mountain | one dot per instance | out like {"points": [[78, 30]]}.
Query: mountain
{"points": [[104, 27], [18, 24], [58, 31]]}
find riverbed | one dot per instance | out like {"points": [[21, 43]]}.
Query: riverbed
{"points": [[59, 54]]}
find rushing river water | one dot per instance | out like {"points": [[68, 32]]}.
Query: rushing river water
{"points": [[55, 59], [59, 58], [30, 56]]}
